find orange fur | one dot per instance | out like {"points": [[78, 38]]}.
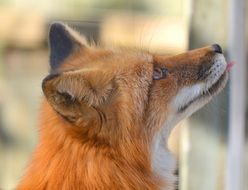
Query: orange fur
{"points": [[63, 162], [101, 115]]}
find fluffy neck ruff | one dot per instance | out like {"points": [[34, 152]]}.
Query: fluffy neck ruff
{"points": [[61, 161]]}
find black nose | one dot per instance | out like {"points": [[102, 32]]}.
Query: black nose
{"points": [[217, 48]]}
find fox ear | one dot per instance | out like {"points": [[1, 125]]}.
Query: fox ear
{"points": [[63, 41], [77, 94]]}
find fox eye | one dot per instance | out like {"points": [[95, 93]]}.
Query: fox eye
{"points": [[159, 73]]}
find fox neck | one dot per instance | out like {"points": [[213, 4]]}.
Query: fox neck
{"points": [[62, 162], [163, 161]]}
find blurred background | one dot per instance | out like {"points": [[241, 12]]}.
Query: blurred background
{"points": [[211, 146]]}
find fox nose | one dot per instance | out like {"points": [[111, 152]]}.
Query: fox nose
{"points": [[217, 48]]}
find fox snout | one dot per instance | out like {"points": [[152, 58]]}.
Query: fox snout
{"points": [[195, 66], [198, 74], [205, 69]]}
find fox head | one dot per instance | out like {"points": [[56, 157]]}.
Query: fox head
{"points": [[111, 95]]}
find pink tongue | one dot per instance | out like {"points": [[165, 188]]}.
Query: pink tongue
{"points": [[229, 65]]}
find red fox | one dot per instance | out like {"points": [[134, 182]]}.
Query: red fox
{"points": [[107, 113]]}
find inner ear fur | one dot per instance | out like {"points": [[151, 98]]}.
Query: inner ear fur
{"points": [[74, 94]]}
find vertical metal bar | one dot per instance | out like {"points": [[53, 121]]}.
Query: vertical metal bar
{"points": [[236, 136]]}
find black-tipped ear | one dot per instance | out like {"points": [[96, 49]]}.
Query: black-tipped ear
{"points": [[63, 42]]}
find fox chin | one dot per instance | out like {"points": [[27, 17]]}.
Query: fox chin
{"points": [[106, 114]]}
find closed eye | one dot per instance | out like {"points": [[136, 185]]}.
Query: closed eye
{"points": [[160, 73]]}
